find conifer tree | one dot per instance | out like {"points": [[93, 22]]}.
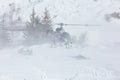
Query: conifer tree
{"points": [[47, 23], [32, 35], [47, 18]]}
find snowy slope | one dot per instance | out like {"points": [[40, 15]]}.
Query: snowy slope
{"points": [[58, 64]]}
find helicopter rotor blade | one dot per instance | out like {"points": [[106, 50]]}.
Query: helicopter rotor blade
{"points": [[62, 24], [82, 25]]}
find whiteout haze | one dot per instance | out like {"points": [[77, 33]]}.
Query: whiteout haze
{"points": [[59, 40]]}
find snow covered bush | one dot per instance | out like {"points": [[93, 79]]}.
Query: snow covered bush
{"points": [[25, 51]]}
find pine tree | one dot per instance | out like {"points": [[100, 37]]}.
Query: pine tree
{"points": [[38, 30], [11, 12], [32, 35], [47, 23], [47, 18]]}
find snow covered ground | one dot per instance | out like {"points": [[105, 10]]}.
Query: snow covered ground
{"points": [[46, 63]]}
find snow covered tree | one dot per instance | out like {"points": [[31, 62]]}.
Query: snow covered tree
{"points": [[11, 12], [32, 35], [47, 18], [47, 25], [47, 22]]}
